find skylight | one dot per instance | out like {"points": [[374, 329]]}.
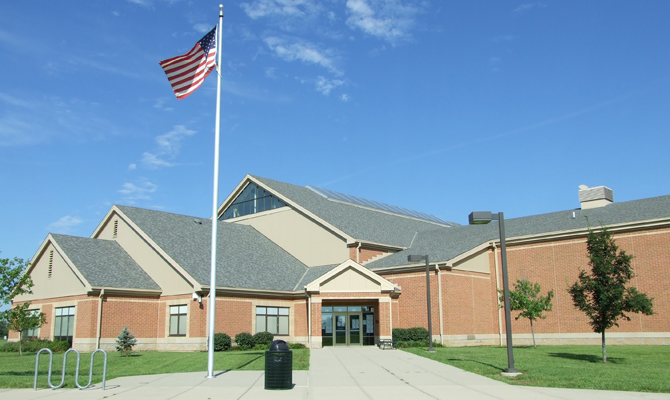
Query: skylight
{"points": [[330, 194]]}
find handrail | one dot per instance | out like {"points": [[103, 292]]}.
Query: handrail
{"points": [[76, 376]]}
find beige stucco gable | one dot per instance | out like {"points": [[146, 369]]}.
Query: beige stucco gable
{"points": [[53, 274], [165, 271], [311, 240], [351, 277]]}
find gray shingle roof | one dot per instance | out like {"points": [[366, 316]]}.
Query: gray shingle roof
{"points": [[357, 222], [245, 258], [445, 244], [104, 263]]}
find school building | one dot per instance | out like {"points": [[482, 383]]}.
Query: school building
{"points": [[324, 268]]}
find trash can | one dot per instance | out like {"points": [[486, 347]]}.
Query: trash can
{"points": [[278, 366]]}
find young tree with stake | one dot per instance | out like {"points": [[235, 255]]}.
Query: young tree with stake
{"points": [[525, 298]]}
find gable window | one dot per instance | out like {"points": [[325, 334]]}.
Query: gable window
{"points": [[253, 199], [272, 319], [64, 324], [178, 320]]}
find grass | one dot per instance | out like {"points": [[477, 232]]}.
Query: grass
{"points": [[628, 368], [19, 372]]}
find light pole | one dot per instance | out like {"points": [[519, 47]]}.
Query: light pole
{"points": [[414, 258], [484, 217]]}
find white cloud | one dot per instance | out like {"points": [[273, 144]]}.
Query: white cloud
{"points": [[389, 20], [527, 7], [294, 8], [303, 51], [64, 224], [324, 85], [132, 167], [31, 119], [132, 192], [144, 3], [344, 97], [169, 145], [270, 72], [203, 28]]}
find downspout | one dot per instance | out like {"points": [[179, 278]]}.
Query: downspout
{"points": [[495, 257], [439, 291], [358, 253], [99, 334], [309, 319]]}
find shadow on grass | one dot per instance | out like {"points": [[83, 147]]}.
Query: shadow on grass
{"points": [[476, 362], [246, 363], [587, 357]]}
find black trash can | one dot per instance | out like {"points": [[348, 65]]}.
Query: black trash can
{"points": [[278, 366]]}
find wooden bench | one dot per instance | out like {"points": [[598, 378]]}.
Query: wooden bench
{"points": [[386, 344]]}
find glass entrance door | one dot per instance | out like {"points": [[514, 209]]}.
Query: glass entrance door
{"points": [[354, 329], [341, 330], [347, 325]]}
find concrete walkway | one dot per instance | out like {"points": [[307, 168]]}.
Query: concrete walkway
{"points": [[341, 373]]}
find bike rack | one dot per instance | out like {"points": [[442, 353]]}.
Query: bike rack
{"points": [[76, 376]]}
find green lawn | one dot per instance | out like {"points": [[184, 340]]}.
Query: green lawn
{"points": [[18, 372], [628, 368]]}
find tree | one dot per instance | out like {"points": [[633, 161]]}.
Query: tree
{"points": [[125, 342], [525, 298], [601, 293], [21, 319], [14, 282]]}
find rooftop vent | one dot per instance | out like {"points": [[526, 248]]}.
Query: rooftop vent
{"points": [[595, 197]]}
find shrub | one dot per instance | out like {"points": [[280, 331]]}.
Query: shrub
{"points": [[293, 346], [244, 341], [418, 334], [400, 335], [261, 347], [125, 342], [411, 337], [35, 345], [264, 338], [222, 342]]}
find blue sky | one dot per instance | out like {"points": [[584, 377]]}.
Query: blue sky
{"points": [[442, 107]]}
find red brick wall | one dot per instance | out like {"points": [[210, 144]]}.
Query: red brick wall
{"points": [[86, 315], [300, 319], [412, 303], [364, 254], [555, 266], [233, 316], [139, 315]]}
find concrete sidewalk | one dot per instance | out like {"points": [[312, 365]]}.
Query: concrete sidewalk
{"points": [[335, 373]]}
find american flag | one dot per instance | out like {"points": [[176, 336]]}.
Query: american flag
{"points": [[186, 73]]}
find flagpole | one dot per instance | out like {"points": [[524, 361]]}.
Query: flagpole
{"points": [[215, 204]]}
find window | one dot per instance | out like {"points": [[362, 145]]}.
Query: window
{"points": [[253, 199], [64, 324], [178, 320], [272, 319], [30, 333]]}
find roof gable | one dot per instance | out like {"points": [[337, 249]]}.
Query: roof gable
{"points": [[350, 277]]}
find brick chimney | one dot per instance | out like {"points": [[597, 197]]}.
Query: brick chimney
{"points": [[595, 197]]}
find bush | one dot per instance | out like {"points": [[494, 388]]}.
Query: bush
{"points": [[263, 338], [125, 342], [411, 337], [222, 342], [293, 346], [35, 345], [261, 347], [244, 341]]}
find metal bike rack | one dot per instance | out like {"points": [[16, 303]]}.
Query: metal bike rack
{"points": [[76, 376]]}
